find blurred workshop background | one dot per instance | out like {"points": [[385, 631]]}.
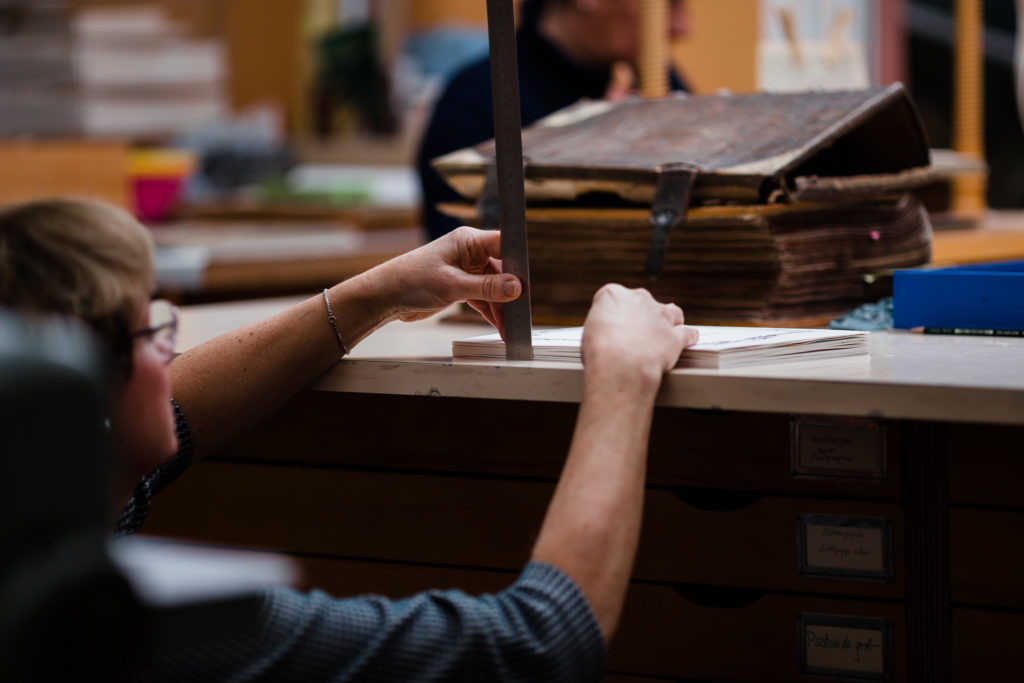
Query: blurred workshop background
{"points": [[270, 144]]}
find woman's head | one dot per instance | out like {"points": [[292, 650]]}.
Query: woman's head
{"points": [[77, 257], [93, 261]]}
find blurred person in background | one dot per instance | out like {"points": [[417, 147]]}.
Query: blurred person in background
{"points": [[567, 50]]}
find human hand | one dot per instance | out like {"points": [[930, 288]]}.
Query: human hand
{"points": [[463, 265], [622, 82], [628, 331]]}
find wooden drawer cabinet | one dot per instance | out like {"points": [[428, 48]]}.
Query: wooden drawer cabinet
{"points": [[493, 522], [666, 633], [721, 579], [986, 646], [716, 449], [987, 557], [986, 465]]}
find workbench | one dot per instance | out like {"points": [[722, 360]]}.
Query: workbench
{"points": [[400, 470], [203, 260]]}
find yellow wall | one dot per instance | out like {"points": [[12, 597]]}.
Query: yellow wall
{"points": [[265, 52], [38, 169], [447, 11], [720, 50]]}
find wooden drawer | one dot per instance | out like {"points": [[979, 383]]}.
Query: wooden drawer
{"points": [[493, 523], [747, 451], [717, 537], [386, 516], [986, 646], [755, 452], [665, 633], [986, 465], [424, 433], [987, 557]]}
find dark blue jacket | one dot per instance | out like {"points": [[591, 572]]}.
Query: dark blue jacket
{"points": [[464, 114]]}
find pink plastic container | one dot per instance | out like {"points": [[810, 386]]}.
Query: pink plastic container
{"points": [[156, 196], [157, 179]]}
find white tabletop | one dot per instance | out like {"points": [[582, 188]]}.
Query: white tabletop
{"points": [[905, 375]]}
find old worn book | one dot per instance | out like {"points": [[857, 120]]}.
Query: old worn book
{"points": [[718, 346], [754, 148], [765, 209]]}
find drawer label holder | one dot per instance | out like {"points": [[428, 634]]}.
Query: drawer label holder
{"points": [[844, 647], [837, 546], [838, 447]]}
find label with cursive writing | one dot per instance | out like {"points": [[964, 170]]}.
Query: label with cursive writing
{"points": [[848, 547], [839, 447], [844, 647]]}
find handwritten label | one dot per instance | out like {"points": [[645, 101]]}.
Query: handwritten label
{"points": [[838, 648], [844, 647], [844, 547], [851, 448], [848, 547]]}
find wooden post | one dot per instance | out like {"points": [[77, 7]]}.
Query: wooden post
{"points": [[653, 57], [969, 103], [891, 25]]}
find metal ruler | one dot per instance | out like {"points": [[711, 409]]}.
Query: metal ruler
{"points": [[508, 148]]}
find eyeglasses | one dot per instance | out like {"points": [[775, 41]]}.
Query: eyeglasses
{"points": [[163, 330]]}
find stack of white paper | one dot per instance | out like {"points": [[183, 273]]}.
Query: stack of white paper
{"points": [[718, 347]]}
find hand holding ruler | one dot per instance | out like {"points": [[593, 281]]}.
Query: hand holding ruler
{"points": [[508, 147]]}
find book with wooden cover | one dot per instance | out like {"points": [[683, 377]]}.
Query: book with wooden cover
{"points": [[717, 347], [754, 149], [789, 207]]}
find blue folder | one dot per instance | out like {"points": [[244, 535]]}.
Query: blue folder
{"points": [[981, 296]]}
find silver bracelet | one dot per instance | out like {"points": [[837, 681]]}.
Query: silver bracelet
{"points": [[334, 325]]}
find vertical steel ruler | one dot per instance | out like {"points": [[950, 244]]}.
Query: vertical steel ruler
{"points": [[508, 139]]}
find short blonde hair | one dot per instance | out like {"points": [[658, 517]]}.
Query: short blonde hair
{"points": [[77, 257]]}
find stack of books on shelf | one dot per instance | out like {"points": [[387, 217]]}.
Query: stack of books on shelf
{"points": [[126, 71], [144, 74], [37, 96]]}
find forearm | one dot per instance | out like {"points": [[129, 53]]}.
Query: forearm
{"points": [[229, 384], [593, 522]]}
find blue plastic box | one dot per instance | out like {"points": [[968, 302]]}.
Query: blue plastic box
{"points": [[982, 296]]}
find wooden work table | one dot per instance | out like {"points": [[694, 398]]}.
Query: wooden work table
{"points": [[400, 470], [905, 375]]}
